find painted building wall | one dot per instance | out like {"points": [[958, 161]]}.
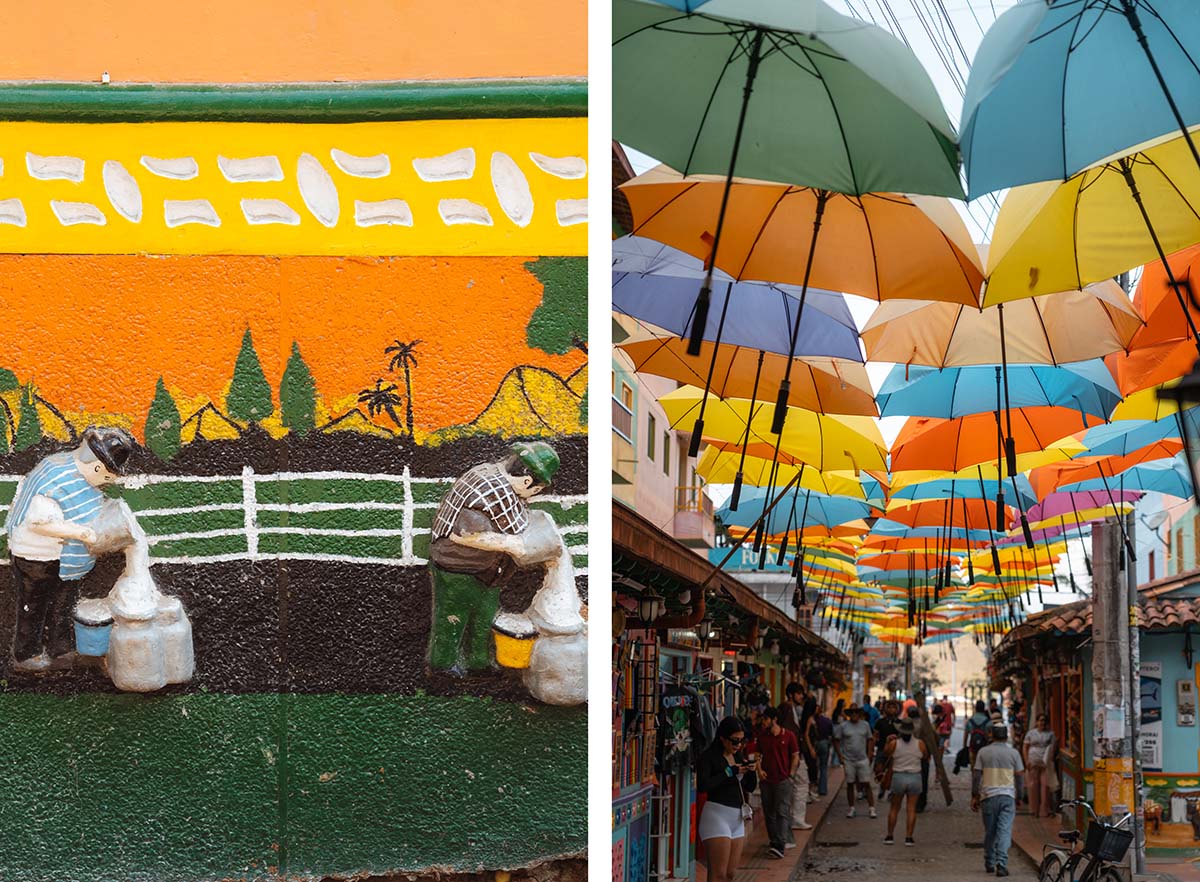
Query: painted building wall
{"points": [[314, 305]]}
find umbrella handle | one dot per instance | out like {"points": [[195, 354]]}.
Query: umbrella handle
{"points": [[694, 443], [781, 405], [737, 491], [1025, 530], [1010, 455], [699, 320]]}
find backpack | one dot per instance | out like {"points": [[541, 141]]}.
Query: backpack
{"points": [[976, 739]]}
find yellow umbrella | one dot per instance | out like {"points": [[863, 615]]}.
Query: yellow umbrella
{"points": [[1061, 236], [1146, 405], [825, 385], [721, 467], [828, 442]]}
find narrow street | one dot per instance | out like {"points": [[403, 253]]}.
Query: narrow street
{"points": [[949, 843]]}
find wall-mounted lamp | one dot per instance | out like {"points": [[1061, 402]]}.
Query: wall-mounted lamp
{"points": [[650, 606]]}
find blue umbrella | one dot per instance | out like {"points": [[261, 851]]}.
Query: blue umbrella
{"points": [[1086, 386], [1168, 476], [655, 283], [968, 488], [884, 527], [796, 510], [1056, 87], [1123, 437]]}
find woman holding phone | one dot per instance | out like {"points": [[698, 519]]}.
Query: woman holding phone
{"points": [[726, 776]]}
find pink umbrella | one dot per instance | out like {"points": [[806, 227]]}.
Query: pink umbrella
{"points": [[1059, 504]]}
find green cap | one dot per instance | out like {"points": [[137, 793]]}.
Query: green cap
{"points": [[539, 457]]}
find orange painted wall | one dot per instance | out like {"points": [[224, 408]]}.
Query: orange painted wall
{"points": [[95, 332], [288, 41]]}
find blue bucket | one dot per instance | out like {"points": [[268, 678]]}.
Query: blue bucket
{"points": [[93, 627]]}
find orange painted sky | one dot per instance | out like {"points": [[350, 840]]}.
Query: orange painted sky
{"points": [[96, 332], [288, 41]]}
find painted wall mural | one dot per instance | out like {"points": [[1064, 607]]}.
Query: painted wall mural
{"points": [[326, 597]]}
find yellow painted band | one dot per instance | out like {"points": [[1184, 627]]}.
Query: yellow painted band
{"points": [[541, 233]]}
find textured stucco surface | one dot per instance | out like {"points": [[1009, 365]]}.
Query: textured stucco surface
{"points": [[123, 788]]}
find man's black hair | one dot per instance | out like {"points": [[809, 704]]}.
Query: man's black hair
{"points": [[770, 713]]}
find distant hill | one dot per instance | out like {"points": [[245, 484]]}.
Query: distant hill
{"points": [[530, 401]]}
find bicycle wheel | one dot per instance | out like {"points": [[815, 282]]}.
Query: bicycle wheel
{"points": [[1110, 874], [1052, 866]]}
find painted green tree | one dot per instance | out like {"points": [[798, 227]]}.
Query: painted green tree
{"points": [[8, 383], [164, 430], [249, 397], [560, 323], [29, 424], [298, 395]]}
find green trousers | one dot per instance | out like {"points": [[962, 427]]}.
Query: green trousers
{"points": [[463, 611]]}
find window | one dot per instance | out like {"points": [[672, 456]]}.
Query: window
{"points": [[626, 396], [651, 436], [666, 453]]}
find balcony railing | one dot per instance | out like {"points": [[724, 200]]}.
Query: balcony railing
{"points": [[693, 498], [622, 420]]}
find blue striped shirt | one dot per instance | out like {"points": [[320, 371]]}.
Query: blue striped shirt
{"points": [[58, 478]]}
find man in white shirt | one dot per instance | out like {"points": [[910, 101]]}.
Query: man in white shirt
{"points": [[997, 779]]}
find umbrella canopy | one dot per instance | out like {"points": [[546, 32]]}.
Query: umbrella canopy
{"points": [[1151, 365], [825, 385], [1167, 476], [882, 246], [656, 284], [721, 467], [1063, 503], [968, 487], [828, 442], [1146, 405], [1062, 328], [797, 509], [1154, 298], [832, 102], [1124, 437], [1086, 386], [1056, 87], [1047, 478], [967, 513], [1062, 236], [928, 443]]}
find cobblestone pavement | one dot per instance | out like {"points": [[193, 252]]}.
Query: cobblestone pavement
{"points": [[949, 843]]}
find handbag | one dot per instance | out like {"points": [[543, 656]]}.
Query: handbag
{"points": [[747, 812]]}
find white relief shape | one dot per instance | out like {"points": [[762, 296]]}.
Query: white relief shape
{"points": [[178, 168], [571, 212], [512, 189], [378, 166], [12, 212], [456, 166], [252, 168], [179, 212], [269, 211], [54, 168], [569, 168], [71, 213], [463, 211], [317, 189], [387, 212], [123, 191]]}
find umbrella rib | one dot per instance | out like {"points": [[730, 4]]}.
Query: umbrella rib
{"points": [[1062, 97], [761, 229], [871, 237], [1154, 12], [712, 95], [1171, 183], [658, 25], [1046, 334], [950, 337], [837, 117], [682, 192]]}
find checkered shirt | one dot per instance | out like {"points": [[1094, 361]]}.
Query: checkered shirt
{"points": [[485, 488]]}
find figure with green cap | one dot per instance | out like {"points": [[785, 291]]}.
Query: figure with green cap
{"points": [[479, 542]]}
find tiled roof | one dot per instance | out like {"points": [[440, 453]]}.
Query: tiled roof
{"points": [[1156, 614]]}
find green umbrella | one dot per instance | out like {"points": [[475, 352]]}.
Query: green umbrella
{"points": [[778, 90]]}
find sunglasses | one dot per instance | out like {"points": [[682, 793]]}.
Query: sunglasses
{"points": [[736, 740]]}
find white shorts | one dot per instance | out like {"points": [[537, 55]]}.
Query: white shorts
{"points": [[859, 772], [721, 821]]}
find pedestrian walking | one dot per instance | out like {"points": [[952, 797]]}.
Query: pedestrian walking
{"points": [[808, 745], [924, 732], [975, 736], [837, 718], [944, 722], [779, 754], [885, 729], [824, 749], [724, 774], [1039, 749], [855, 742], [906, 754], [997, 779]]}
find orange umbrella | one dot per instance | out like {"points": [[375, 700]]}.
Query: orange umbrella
{"points": [[926, 443], [879, 245], [901, 561], [971, 514], [1151, 365], [917, 543], [1159, 304], [824, 385]]}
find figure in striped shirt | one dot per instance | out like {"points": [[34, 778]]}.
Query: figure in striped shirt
{"points": [[49, 538]]}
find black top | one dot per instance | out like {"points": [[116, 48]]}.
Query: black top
{"points": [[718, 779], [883, 728]]}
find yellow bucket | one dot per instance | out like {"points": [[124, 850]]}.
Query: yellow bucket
{"points": [[514, 641]]}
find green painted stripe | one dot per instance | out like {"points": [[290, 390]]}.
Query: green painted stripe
{"points": [[301, 102], [336, 519], [347, 490]]}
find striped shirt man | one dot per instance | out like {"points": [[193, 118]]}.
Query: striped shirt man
{"points": [[54, 491]]}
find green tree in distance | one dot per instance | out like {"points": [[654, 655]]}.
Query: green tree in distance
{"points": [[164, 430], [560, 323], [403, 357], [298, 395], [29, 424], [249, 393]]}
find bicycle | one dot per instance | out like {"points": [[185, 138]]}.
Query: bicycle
{"points": [[1096, 861]]}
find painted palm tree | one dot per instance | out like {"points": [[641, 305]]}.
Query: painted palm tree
{"points": [[403, 357], [381, 399]]}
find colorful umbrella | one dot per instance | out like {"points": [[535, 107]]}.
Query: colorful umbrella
{"points": [[1056, 87], [1167, 476]]}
